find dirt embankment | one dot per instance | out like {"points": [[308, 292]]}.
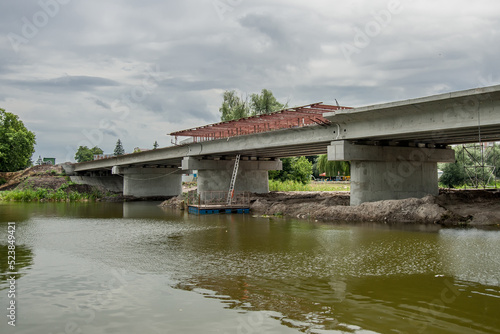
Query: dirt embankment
{"points": [[43, 176], [450, 208]]}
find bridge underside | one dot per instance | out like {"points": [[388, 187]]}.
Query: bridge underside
{"points": [[412, 137]]}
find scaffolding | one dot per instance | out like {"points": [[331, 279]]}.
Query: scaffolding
{"points": [[480, 172], [311, 114]]}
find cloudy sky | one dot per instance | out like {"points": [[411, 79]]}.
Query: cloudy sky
{"points": [[89, 72]]}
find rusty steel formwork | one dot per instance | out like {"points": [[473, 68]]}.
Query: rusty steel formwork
{"points": [[288, 118]]}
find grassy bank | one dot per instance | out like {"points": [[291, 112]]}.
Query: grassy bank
{"points": [[48, 195], [298, 186], [491, 185]]}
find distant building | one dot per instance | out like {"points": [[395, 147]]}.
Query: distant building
{"points": [[45, 161], [190, 177], [49, 161]]}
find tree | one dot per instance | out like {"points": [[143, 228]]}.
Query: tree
{"points": [[494, 159], [453, 175], [17, 143], [96, 150], [155, 145], [332, 168], [119, 148], [295, 169], [87, 154], [265, 103], [234, 107]]}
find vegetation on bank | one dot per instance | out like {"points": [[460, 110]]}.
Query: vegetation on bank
{"points": [[289, 185], [468, 185], [62, 194]]}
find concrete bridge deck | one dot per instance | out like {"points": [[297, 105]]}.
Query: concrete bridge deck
{"points": [[380, 140]]}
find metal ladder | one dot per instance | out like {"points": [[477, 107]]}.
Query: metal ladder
{"points": [[230, 194]]}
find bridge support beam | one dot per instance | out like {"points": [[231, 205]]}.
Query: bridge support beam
{"points": [[215, 175], [390, 172], [150, 182]]}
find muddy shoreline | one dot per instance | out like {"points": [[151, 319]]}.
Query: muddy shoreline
{"points": [[451, 208]]}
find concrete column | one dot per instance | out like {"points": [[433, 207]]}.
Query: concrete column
{"points": [[215, 175], [390, 172], [150, 182]]}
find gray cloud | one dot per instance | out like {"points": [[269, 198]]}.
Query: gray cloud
{"points": [[67, 83], [73, 71], [101, 103]]}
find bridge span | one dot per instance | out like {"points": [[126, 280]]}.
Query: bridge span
{"points": [[394, 149]]}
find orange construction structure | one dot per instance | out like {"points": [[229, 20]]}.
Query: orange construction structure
{"points": [[311, 114]]}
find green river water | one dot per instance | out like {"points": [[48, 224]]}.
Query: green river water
{"points": [[137, 268]]}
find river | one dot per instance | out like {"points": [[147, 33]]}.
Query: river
{"points": [[137, 268]]}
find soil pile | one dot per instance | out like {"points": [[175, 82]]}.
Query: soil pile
{"points": [[43, 176], [450, 208], [46, 177]]}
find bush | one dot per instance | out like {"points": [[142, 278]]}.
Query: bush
{"points": [[287, 185], [294, 169], [453, 175]]}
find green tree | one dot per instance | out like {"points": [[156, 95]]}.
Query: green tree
{"points": [[265, 103], [96, 150], [295, 169], [453, 175], [233, 107], [17, 144], [332, 168], [313, 159], [87, 154], [494, 159], [119, 148]]}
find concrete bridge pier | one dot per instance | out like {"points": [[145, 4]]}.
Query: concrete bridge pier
{"points": [[150, 182], [390, 172], [215, 175]]}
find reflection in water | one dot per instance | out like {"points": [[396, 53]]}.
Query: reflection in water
{"points": [[23, 259], [472, 255], [308, 276]]}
